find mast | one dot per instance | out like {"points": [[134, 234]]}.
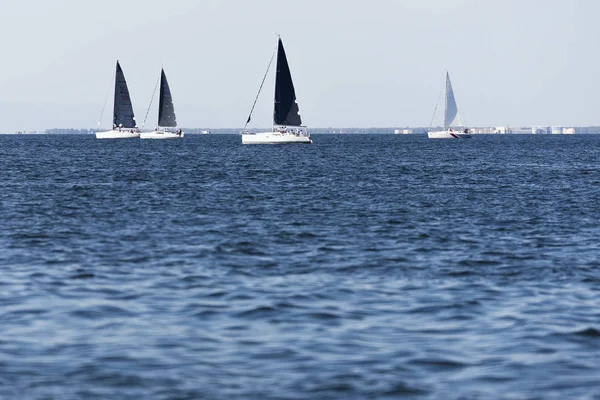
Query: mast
{"points": [[446, 102], [275, 83]]}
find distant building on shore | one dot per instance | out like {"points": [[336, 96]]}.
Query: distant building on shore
{"points": [[540, 130]]}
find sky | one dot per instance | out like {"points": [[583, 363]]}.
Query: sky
{"points": [[378, 63]]}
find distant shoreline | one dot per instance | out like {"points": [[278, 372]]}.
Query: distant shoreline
{"points": [[542, 130]]}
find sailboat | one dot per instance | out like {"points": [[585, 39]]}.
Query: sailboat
{"points": [[124, 126], [287, 124], [166, 114], [453, 128]]}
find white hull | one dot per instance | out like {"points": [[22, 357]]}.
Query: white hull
{"points": [[161, 135], [448, 135], [274, 138], [125, 134]]}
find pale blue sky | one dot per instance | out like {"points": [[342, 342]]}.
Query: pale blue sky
{"points": [[354, 63]]}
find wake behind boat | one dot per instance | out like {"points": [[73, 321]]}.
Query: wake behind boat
{"points": [[167, 122], [453, 128], [286, 112], [124, 126]]}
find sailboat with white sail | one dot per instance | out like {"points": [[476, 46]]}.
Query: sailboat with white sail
{"points": [[287, 124], [453, 127], [124, 126], [167, 122]]}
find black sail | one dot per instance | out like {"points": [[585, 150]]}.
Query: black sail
{"points": [[286, 108], [166, 110], [123, 110]]}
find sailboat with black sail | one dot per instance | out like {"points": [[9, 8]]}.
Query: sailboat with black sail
{"points": [[453, 127], [287, 123], [124, 126], [167, 122]]}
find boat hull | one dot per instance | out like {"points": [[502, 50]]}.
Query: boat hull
{"points": [[274, 138], [161, 135], [448, 135], [117, 135]]}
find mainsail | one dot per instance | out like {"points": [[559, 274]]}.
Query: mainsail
{"points": [[286, 109], [451, 116], [166, 110], [123, 110]]}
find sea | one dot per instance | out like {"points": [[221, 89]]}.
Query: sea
{"points": [[358, 267]]}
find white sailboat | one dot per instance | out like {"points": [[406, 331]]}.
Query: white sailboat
{"points": [[287, 124], [167, 122], [124, 126], [453, 127]]}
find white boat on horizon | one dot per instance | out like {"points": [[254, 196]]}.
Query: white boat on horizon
{"points": [[286, 113], [167, 122], [453, 128], [124, 126]]}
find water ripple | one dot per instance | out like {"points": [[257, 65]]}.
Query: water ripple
{"points": [[387, 267]]}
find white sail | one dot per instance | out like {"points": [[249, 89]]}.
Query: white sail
{"points": [[451, 116]]}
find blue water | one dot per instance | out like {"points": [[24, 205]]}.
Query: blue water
{"points": [[359, 267]]}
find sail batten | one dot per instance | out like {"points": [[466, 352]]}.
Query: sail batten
{"points": [[166, 110], [451, 115], [286, 111], [123, 110]]}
